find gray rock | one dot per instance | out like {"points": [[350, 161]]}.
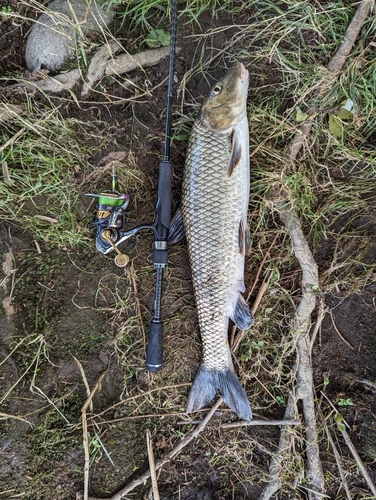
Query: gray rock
{"points": [[54, 36]]}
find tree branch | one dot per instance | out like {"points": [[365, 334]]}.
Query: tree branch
{"points": [[301, 323]]}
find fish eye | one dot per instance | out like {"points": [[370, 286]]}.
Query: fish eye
{"points": [[216, 90]]}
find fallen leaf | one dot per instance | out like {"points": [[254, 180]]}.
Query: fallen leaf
{"points": [[300, 115], [335, 126], [344, 114]]}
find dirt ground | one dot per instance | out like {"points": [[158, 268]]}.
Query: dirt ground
{"points": [[73, 304]]}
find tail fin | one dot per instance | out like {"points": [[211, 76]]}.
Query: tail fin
{"points": [[207, 383]]}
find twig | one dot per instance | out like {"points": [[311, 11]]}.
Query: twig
{"points": [[4, 416], [351, 447], [10, 111], [364, 381], [142, 395], [244, 423], [83, 375], [170, 455], [320, 318], [85, 438], [351, 35], [359, 462], [235, 341], [13, 139], [334, 408], [136, 417], [260, 422], [6, 176], [336, 455], [316, 493], [261, 292], [276, 464], [37, 246], [267, 254], [339, 333], [35, 389], [153, 472]]}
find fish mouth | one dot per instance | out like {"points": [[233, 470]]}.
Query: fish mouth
{"points": [[244, 73]]}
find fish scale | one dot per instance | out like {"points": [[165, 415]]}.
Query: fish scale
{"points": [[213, 216], [212, 237]]}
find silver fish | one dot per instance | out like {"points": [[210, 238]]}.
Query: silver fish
{"points": [[213, 216]]}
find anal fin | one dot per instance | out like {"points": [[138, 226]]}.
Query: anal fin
{"points": [[242, 317]]}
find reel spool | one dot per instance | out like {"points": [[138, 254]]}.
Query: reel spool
{"points": [[109, 220]]}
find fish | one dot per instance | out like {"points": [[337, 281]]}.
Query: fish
{"points": [[213, 218]]}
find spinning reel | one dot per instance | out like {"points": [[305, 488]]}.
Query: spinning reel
{"points": [[109, 220]]}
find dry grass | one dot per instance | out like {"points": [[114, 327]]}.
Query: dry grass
{"points": [[286, 47]]}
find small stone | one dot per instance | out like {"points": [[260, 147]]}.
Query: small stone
{"points": [[204, 494]]}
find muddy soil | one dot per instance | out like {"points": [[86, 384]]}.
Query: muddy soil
{"points": [[65, 302]]}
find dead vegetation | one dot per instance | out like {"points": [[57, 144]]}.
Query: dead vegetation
{"points": [[274, 361]]}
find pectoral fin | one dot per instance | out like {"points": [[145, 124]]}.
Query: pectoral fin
{"points": [[235, 155], [242, 315], [176, 232]]}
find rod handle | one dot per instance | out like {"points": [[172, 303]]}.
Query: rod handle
{"points": [[154, 350]]}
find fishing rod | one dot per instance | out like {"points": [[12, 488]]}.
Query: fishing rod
{"points": [[110, 219], [154, 351]]}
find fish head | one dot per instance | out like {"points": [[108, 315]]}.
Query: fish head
{"points": [[226, 103]]}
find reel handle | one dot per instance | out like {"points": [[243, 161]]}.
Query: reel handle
{"points": [[121, 260]]}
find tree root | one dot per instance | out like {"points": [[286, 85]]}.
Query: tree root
{"points": [[301, 324], [103, 63], [336, 455], [304, 384]]}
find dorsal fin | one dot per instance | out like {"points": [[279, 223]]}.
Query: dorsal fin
{"points": [[241, 238], [235, 155], [247, 238], [244, 238], [176, 232]]}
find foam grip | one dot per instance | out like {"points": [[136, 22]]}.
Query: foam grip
{"points": [[154, 350]]}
